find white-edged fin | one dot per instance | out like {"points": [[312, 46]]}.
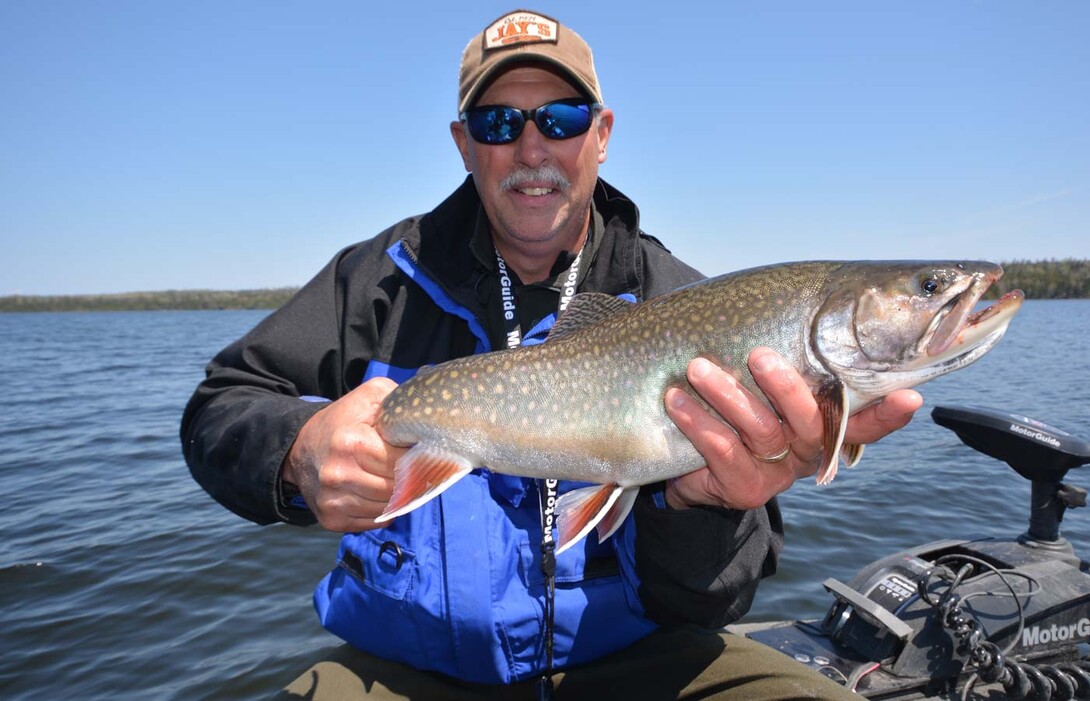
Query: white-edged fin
{"points": [[851, 453], [586, 308], [617, 513], [833, 402], [421, 474], [580, 510]]}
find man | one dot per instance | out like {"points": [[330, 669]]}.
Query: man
{"points": [[458, 596]]}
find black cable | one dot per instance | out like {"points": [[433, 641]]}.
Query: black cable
{"points": [[1020, 680], [1002, 574]]}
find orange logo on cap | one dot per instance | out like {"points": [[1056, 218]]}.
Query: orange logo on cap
{"points": [[519, 28]]}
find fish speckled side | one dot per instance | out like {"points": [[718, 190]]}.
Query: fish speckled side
{"points": [[587, 405]]}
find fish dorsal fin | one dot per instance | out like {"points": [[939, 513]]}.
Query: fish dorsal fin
{"points": [[587, 308], [832, 400]]}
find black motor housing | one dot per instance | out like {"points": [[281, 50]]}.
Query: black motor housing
{"points": [[1037, 451], [1031, 595]]}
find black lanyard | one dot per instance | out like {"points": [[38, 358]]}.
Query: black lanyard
{"points": [[547, 493], [512, 328], [546, 489]]}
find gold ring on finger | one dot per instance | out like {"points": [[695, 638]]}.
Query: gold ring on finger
{"points": [[778, 457]]}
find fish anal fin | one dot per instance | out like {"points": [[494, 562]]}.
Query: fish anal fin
{"points": [[832, 401], [421, 474], [617, 513], [586, 308], [851, 453], [580, 510]]}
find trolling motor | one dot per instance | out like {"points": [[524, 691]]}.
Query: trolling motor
{"points": [[1012, 614], [1038, 452]]}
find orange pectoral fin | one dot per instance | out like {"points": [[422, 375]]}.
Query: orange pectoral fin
{"points": [[420, 475], [617, 513], [833, 402], [580, 510], [851, 452]]}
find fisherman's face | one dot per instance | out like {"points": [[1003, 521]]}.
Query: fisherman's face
{"points": [[529, 208]]}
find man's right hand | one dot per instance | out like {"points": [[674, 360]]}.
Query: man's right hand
{"points": [[342, 467]]}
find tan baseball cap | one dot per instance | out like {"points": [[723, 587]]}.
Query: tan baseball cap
{"points": [[524, 36]]}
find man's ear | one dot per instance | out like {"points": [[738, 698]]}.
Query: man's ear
{"points": [[461, 140], [605, 128]]}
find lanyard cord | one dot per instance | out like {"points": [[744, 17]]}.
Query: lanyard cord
{"points": [[548, 568], [512, 328], [547, 489]]}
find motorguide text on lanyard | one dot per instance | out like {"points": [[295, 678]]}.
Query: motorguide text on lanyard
{"points": [[547, 489]]}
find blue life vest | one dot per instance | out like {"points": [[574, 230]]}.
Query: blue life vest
{"points": [[456, 585]]}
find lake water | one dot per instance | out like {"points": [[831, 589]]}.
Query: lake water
{"points": [[120, 578]]}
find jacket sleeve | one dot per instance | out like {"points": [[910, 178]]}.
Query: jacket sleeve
{"points": [[699, 565], [702, 565], [243, 418]]}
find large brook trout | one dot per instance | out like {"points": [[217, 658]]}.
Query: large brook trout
{"points": [[588, 404]]}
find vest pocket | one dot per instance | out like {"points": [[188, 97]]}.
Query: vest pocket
{"points": [[384, 566]]}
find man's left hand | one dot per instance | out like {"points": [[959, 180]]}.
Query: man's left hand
{"points": [[734, 476]]}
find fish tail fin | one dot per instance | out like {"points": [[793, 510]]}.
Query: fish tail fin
{"points": [[580, 510], [421, 474], [832, 400], [617, 513]]}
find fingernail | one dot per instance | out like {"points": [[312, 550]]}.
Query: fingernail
{"points": [[676, 398], [700, 368], [765, 362]]}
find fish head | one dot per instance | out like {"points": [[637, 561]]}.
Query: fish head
{"points": [[886, 326]]}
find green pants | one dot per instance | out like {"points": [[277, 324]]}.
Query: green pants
{"points": [[685, 663]]}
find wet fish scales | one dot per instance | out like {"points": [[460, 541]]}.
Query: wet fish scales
{"points": [[587, 405]]}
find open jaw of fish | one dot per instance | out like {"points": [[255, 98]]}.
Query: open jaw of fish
{"points": [[961, 337], [587, 406], [956, 337]]}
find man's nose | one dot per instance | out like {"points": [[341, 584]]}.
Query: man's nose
{"points": [[531, 149]]}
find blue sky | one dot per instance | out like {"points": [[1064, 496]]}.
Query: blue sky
{"points": [[233, 144]]}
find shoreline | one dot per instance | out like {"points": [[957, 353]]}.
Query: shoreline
{"points": [[167, 300], [1049, 279]]}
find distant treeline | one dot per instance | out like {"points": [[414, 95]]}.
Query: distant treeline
{"points": [[147, 301], [1046, 279]]}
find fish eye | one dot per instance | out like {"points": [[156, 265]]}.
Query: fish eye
{"points": [[931, 284]]}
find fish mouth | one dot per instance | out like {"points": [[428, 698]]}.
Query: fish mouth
{"points": [[973, 333], [956, 329], [957, 337]]}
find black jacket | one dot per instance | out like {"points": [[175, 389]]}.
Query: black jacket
{"points": [[698, 565]]}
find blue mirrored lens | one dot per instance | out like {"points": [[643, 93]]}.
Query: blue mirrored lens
{"points": [[562, 121], [498, 124], [495, 125]]}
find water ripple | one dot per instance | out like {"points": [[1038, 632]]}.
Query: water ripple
{"points": [[120, 577]]}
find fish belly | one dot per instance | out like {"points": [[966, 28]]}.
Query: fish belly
{"points": [[521, 415]]}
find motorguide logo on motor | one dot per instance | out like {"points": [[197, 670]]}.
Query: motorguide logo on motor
{"points": [[1031, 637], [1035, 435]]}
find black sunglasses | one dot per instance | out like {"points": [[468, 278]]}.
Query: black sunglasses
{"points": [[500, 124]]}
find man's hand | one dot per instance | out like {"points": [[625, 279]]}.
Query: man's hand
{"points": [[343, 469], [734, 478]]}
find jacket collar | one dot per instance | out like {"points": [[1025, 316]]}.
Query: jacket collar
{"points": [[442, 244]]}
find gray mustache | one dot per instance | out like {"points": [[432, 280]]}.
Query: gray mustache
{"points": [[547, 174]]}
